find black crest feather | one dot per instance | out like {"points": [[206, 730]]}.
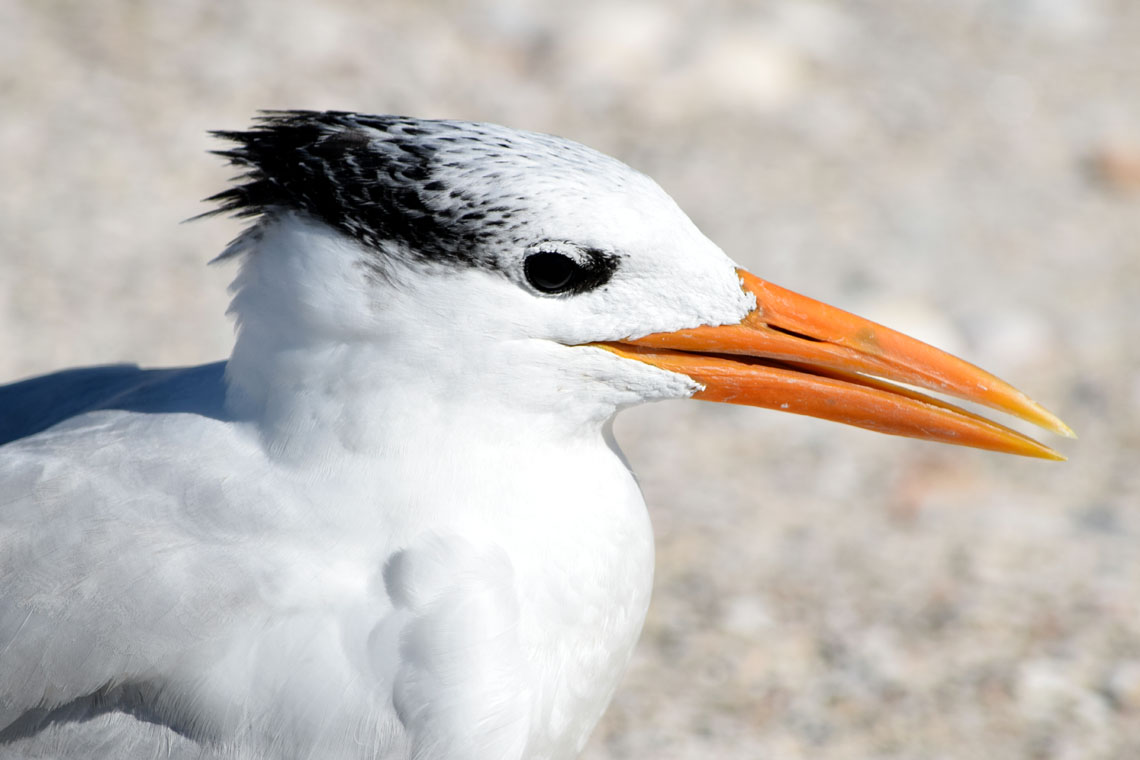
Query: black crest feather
{"points": [[449, 191], [366, 176]]}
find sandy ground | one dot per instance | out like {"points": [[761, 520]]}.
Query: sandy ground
{"points": [[966, 171]]}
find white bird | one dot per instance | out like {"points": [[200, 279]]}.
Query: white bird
{"points": [[395, 523]]}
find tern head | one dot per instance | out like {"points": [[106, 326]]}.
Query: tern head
{"points": [[472, 250]]}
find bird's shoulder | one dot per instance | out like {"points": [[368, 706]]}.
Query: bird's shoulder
{"points": [[99, 532], [103, 445]]}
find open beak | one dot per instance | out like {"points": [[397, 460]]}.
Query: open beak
{"points": [[798, 355]]}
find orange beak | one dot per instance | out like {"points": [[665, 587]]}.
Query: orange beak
{"points": [[798, 355]]}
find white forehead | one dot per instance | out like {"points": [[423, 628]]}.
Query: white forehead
{"points": [[530, 186]]}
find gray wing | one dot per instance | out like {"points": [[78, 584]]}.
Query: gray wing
{"points": [[34, 405], [97, 536]]}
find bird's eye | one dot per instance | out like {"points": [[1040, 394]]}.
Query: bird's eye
{"points": [[551, 272], [560, 268]]}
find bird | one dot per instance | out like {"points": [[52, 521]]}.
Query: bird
{"points": [[395, 522]]}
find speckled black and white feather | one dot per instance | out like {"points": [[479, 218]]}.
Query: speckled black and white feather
{"points": [[446, 191]]}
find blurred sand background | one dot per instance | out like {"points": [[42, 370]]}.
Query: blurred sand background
{"points": [[967, 171]]}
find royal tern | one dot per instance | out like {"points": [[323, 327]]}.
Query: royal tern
{"points": [[395, 523]]}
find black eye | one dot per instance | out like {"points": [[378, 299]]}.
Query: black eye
{"points": [[553, 272], [549, 270]]}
